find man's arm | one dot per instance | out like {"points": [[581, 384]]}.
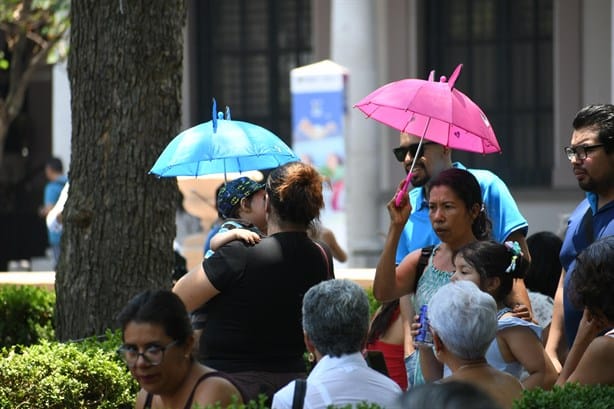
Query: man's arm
{"points": [[555, 335]]}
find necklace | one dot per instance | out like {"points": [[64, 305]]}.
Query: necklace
{"points": [[474, 364]]}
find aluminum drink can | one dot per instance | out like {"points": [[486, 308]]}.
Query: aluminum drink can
{"points": [[424, 337]]}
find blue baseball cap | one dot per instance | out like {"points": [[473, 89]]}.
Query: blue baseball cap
{"points": [[232, 192]]}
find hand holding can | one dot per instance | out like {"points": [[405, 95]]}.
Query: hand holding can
{"points": [[424, 337]]}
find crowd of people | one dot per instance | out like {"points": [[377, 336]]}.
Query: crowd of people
{"points": [[502, 313]]}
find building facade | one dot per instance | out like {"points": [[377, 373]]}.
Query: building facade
{"points": [[530, 64]]}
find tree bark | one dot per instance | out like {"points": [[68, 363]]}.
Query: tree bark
{"points": [[125, 68]]}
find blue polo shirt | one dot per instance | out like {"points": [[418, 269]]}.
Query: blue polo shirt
{"points": [[501, 209], [575, 241]]}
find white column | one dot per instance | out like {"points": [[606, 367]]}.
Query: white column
{"points": [[353, 39], [61, 116]]}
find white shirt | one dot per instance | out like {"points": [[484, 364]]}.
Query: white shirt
{"points": [[341, 381]]}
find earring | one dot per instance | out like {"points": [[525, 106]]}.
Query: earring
{"points": [[311, 357]]}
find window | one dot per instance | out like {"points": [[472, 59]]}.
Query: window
{"points": [[246, 49], [506, 49]]}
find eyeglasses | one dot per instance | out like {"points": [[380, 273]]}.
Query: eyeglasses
{"points": [[153, 355], [580, 152], [401, 152]]}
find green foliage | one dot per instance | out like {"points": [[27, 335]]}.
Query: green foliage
{"points": [[56, 375], [44, 22], [570, 396], [373, 303], [26, 315]]}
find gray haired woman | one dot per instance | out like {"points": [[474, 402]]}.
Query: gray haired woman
{"points": [[335, 325], [463, 321]]}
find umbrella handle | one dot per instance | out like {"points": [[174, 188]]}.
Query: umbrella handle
{"points": [[403, 191]]}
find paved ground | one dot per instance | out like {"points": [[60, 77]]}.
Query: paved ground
{"points": [[35, 264]]}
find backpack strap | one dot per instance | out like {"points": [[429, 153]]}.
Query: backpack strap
{"points": [[300, 389], [423, 262]]}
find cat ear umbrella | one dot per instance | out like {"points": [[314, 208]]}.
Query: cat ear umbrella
{"points": [[220, 146], [435, 111]]}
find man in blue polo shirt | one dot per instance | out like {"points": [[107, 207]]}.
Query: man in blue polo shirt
{"points": [[591, 154]]}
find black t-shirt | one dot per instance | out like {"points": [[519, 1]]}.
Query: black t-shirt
{"points": [[254, 324]]}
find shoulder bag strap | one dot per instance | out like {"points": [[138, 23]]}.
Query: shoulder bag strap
{"points": [[329, 273], [587, 225], [300, 389]]}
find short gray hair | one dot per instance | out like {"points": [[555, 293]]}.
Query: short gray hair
{"points": [[464, 318], [336, 317]]}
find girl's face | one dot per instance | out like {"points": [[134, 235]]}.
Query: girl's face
{"points": [[465, 271]]}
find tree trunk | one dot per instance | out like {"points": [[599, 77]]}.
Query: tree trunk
{"points": [[119, 222]]}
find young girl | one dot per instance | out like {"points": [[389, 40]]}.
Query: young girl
{"points": [[493, 267]]}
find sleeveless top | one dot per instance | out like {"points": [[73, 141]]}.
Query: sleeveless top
{"points": [[188, 404], [432, 279], [493, 354]]}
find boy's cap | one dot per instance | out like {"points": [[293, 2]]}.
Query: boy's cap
{"points": [[232, 192]]}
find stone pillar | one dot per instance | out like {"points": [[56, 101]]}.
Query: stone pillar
{"points": [[566, 39], [353, 39], [61, 115]]}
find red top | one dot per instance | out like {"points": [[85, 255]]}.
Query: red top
{"points": [[395, 362]]}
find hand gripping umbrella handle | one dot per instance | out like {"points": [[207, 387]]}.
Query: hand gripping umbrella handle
{"points": [[403, 191]]}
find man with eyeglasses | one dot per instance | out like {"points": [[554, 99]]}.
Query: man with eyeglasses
{"points": [[591, 154]]}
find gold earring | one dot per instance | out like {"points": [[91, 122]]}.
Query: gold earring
{"points": [[311, 357]]}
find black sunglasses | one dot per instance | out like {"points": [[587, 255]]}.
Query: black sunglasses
{"points": [[401, 152]]}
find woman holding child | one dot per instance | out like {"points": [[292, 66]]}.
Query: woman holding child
{"points": [[254, 292]]}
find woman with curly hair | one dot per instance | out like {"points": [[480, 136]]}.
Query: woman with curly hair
{"points": [[591, 358]]}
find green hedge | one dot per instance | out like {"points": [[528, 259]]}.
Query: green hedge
{"points": [[57, 375], [89, 374], [570, 396], [26, 315]]}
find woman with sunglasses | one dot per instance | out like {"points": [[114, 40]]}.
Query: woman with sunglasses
{"points": [[157, 348]]}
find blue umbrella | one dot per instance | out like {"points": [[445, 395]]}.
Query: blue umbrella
{"points": [[221, 146]]}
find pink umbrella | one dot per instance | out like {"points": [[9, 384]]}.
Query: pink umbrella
{"points": [[433, 110]]}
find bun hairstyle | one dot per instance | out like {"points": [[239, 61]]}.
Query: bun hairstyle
{"points": [[491, 259], [295, 193]]}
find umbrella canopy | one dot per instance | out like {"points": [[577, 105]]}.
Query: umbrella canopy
{"points": [[220, 146], [433, 110]]}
